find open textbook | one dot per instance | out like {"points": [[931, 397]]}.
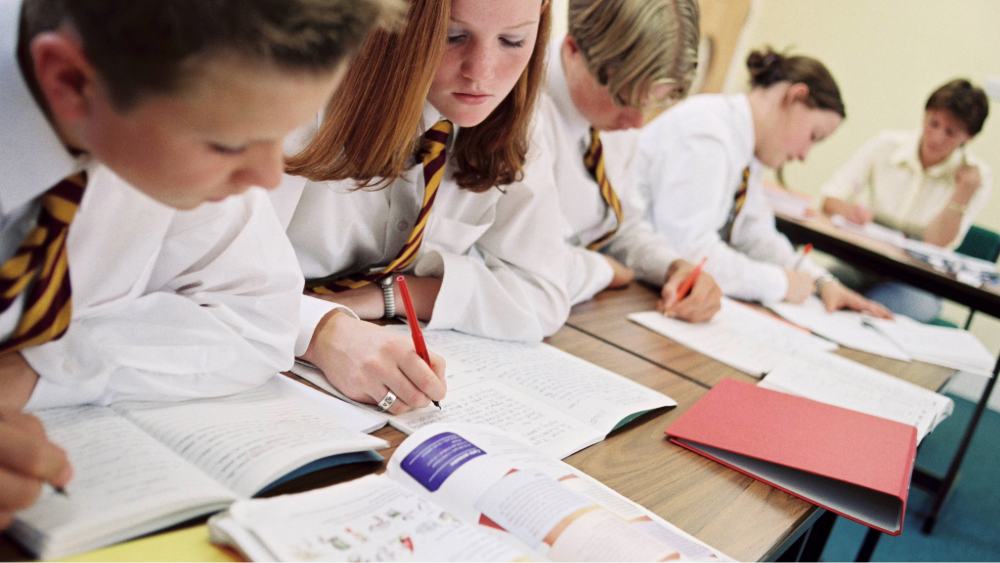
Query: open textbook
{"points": [[944, 346], [558, 402], [738, 336], [457, 492], [140, 467], [834, 380], [847, 328]]}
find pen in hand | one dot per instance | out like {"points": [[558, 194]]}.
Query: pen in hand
{"points": [[688, 282], [411, 318], [802, 257]]}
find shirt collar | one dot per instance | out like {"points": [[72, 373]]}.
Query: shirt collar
{"points": [[34, 158], [558, 89], [908, 154]]}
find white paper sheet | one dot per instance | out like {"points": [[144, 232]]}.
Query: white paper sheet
{"points": [[944, 346], [831, 379], [848, 328], [738, 336]]}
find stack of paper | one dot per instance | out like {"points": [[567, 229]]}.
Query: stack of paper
{"points": [[871, 230], [837, 381], [848, 328], [738, 336], [943, 346]]}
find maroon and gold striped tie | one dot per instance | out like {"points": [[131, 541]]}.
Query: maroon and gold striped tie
{"points": [[726, 232], [594, 162], [433, 149], [42, 259]]}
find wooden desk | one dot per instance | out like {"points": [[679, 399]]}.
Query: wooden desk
{"points": [[888, 260], [604, 317], [742, 517]]}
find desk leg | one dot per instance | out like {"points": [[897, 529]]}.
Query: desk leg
{"points": [[949, 478], [869, 545], [818, 536]]}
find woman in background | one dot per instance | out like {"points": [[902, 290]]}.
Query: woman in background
{"points": [[924, 183]]}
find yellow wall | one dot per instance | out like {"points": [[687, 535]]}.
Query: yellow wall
{"points": [[887, 56]]}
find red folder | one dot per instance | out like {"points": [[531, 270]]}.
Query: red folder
{"points": [[850, 463]]}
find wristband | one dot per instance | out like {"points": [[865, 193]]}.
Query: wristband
{"points": [[957, 207], [827, 277], [389, 297]]}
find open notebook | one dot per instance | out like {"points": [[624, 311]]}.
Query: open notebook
{"points": [[140, 467], [555, 400], [738, 336], [458, 492]]}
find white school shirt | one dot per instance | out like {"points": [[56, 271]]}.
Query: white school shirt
{"points": [[886, 176], [169, 304], [586, 216], [693, 157], [32, 157], [499, 253]]}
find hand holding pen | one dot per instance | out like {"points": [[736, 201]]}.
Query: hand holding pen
{"points": [[411, 318]]}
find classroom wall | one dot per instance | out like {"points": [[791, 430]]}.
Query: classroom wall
{"points": [[887, 57]]}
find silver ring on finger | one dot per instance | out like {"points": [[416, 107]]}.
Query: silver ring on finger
{"points": [[387, 401]]}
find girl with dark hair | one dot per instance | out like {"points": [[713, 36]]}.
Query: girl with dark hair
{"points": [[701, 168], [417, 170]]}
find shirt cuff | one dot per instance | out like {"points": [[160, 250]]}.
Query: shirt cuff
{"points": [[654, 266], [774, 284], [458, 285], [49, 394], [311, 312]]}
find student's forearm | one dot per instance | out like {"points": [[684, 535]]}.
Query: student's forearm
{"points": [[17, 382], [835, 206], [423, 291], [944, 228]]}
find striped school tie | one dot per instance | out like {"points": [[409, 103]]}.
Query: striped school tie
{"points": [[42, 258], [434, 157], [726, 232], [593, 161]]}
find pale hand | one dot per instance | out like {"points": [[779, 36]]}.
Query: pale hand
{"points": [[800, 286], [622, 275], [27, 460], [701, 303], [365, 361], [835, 297], [967, 181], [859, 214]]}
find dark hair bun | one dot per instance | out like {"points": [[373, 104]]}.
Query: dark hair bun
{"points": [[766, 68]]}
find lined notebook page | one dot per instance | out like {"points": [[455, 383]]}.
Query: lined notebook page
{"points": [[837, 381], [122, 479], [576, 387], [247, 440]]}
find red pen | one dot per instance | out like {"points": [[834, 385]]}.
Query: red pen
{"points": [[688, 282], [805, 252], [411, 318]]}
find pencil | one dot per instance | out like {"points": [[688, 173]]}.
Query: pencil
{"points": [[411, 318], [688, 282]]}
